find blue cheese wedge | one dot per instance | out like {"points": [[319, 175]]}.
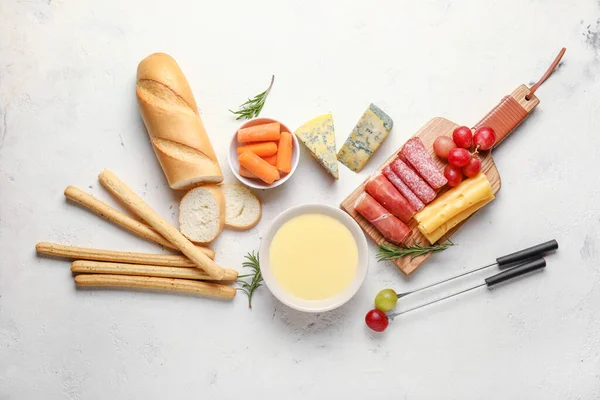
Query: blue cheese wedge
{"points": [[318, 136], [366, 137]]}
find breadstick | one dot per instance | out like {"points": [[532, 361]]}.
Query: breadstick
{"points": [[115, 216], [137, 205], [83, 253], [95, 267], [148, 282]]}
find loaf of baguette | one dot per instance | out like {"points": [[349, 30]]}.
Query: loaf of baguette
{"points": [[171, 117]]}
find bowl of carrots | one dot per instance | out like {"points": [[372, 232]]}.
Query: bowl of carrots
{"points": [[263, 153]]}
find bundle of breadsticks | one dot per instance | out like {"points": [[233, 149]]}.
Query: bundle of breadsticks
{"points": [[194, 271], [188, 160]]}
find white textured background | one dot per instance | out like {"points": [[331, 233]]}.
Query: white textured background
{"points": [[67, 110]]}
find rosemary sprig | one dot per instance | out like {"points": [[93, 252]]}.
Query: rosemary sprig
{"points": [[253, 107], [389, 252], [252, 262]]}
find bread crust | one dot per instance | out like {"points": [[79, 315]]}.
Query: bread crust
{"points": [[174, 125]]}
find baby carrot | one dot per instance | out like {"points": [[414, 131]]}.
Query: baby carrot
{"points": [[284, 152], [260, 149], [271, 159], [259, 167], [259, 133], [246, 173]]}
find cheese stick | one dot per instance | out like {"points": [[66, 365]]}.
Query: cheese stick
{"points": [[115, 216], [452, 222], [470, 192], [95, 267], [138, 206], [83, 253], [148, 282]]}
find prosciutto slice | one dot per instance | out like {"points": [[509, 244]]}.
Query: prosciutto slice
{"points": [[390, 227], [386, 194]]}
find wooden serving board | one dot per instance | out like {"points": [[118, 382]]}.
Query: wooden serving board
{"points": [[503, 118]]}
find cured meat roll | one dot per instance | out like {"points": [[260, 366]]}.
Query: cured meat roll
{"points": [[390, 227], [404, 190], [413, 181], [386, 194], [419, 158]]}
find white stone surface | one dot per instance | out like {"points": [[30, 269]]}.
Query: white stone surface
{"points": [[68, 109]]}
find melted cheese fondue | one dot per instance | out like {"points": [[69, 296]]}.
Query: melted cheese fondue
{"points": [[313, 256]]}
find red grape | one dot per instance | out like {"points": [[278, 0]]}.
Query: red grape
{"points": [[459, 157], [463, 137], [453, 174], [484, 138], [442, 146], [376, 320], [473, 167]]}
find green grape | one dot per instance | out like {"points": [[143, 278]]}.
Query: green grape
{"points": [[386, 300]]}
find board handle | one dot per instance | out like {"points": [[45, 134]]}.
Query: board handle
{"points": [[513, 109], [509, 113]]}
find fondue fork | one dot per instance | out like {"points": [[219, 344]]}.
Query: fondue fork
{"points": [[502, 262], [490, 282]]}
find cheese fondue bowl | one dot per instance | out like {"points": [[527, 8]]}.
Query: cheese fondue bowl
{"points": [[314, 257]]}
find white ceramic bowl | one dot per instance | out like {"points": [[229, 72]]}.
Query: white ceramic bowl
{"points": [[257, 183], [314, 305]]}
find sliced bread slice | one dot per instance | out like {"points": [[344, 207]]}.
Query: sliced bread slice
{"points": [[242, 207], [202, 213]]}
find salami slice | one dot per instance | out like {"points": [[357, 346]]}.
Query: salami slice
{"points": [[404, 190], [390, 227], [388, 196], [413, 181], [419, 158]]}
